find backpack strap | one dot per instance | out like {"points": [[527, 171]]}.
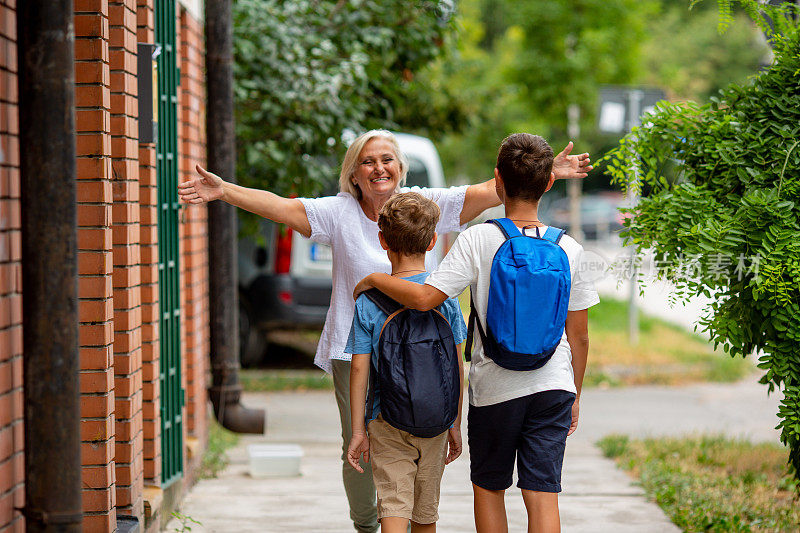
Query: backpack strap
{"points": [[472, 322], [384, 303], [508, 228], [553, 234]]}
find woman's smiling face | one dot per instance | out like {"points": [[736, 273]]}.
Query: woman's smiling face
{"points": [[378, 169]]}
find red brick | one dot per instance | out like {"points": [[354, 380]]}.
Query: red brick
{"points": [[91, 6], [100, 522], [94, 287], [92, 72], [91, 49], [95, 309], [94, 263], [94, 239], [96, 382], [97, 406], [92, 120], [93, 430], [98, 477], [93, 144], [93, 96], [95, 335], [94, 170], [91, 25], [94, 215]]}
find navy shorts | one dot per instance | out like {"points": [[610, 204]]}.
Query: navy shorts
{"points": [[531, 429]]}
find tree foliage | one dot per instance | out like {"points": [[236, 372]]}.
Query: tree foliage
{"points": [[307, 70], [734, 214]]}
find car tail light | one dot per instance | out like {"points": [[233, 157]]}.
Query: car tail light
{"points": [[285, 297], [283, 250]]}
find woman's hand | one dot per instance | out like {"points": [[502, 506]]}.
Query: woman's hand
{"points": [[201, 189], [363, 285], [567, 166], [454, 445], [359, 444]]}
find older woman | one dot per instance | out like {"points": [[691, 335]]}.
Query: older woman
{"points": [[373, 170]]}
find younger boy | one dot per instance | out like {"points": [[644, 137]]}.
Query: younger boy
{"points": [[407, 469], [522, 415]]}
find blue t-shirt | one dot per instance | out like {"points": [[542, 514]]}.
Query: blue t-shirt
{"points": [[368, 320]]}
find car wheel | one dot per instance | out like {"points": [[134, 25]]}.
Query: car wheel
{"points": [[252, 342]]}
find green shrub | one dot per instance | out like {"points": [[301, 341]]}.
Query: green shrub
{"points": [[728, 226]]}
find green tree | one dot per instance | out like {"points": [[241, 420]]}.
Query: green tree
{"points": [[305, 71], [734, 214], [686, 56]]}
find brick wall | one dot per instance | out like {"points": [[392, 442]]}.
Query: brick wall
{"points": [[129, 456], [117, 263], [194, 241], [95, 262], [12, 491]]}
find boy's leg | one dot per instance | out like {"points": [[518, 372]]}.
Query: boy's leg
{"points": [[493, 433], [542, 510], [541, 455], [490, 510], [359, 487], [394, 524]]}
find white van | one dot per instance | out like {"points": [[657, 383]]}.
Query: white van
{"points": [[287, 283]]}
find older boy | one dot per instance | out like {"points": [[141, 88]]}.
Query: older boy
{"points": [[522, 416], [407, 469]]}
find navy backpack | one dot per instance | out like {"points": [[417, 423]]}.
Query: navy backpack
{"points": [[416, 370], [528, 297]]}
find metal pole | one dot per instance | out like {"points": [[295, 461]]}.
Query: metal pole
{"points": [[634, 119], [574, 186], [225, 391], [51, 368]]}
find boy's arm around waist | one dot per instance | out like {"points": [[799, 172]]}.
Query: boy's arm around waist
{"points": [[577, 329]]}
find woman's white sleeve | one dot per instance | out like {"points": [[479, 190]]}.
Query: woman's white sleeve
{"points": [[322, 216], [450, 201]]}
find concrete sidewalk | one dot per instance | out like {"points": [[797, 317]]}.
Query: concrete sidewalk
{"points": [[597, 496]]}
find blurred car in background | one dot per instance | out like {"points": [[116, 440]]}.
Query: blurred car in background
{"points": [[285, 281], [601, 219]]}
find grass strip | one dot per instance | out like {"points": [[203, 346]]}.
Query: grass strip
{"points": [[713, 483], [256, 380], [666, 354]]}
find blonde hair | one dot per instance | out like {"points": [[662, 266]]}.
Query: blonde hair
{"points": [[350, 163], [408, 222]]}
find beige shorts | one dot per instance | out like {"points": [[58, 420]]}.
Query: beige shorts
{"points": [[407, 471]]}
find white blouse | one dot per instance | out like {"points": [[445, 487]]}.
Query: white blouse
{"points": [[339, 222]]}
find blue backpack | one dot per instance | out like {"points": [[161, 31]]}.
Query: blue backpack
{"points": [[528, 297], [416, 370]]}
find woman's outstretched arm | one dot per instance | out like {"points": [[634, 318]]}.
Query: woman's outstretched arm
{"points": [[207, 186], [482, 196]]}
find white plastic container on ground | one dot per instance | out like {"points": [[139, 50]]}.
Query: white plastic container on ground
{"points": [[274, 460]]}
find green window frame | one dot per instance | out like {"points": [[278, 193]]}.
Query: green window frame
{"points": [[172, 396]]}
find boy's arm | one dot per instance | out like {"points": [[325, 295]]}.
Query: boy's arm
{"points": [[577, 328], [454, 441], [413, 295], [359, 377]]}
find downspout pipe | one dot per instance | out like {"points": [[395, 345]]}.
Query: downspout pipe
{"points": [[51, 368], [225, 391]]}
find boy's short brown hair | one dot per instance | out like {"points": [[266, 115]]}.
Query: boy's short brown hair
{"points": [[525, 162], [408, 222]]}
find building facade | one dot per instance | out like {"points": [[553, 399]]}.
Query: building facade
{"points": [[142, 262]]}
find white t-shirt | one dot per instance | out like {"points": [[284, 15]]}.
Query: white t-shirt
{"points": [[339, 222], [469, 263]]}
